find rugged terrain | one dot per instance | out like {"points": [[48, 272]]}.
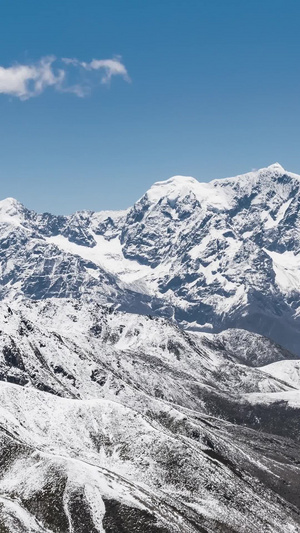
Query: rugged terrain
{"points": [[110, 418], [142, 386]]}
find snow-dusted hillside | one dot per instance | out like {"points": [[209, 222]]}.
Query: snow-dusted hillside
{"points": [[97, 466], [80, 350], [111, 422], [211, 255]]}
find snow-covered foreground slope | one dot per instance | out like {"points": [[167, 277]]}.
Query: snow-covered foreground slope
{"points": [[94, 465], [118, 423], [216, 255]]}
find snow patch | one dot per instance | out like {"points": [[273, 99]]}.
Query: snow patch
{"points": [[287, 270]]}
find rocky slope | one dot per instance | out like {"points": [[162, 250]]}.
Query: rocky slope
{"points": [[111, 422]]}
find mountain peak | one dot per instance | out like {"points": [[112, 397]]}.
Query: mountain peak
{"points": [[276, 166], [10, 206], [276, 170], [172, 188]]}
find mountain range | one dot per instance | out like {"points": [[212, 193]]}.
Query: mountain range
{"points": [[149, 362], [211, 256]]}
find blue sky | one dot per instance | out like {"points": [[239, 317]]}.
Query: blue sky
{"points": [[214, 91]]}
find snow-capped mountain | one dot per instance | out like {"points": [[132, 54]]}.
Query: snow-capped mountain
{"points": [[142, 386], [210, 255]]}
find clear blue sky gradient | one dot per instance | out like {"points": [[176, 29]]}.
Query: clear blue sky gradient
{"points": [[215, 92]]}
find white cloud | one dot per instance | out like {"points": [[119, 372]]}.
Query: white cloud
{"points": [[110, 67], [27, 81]]}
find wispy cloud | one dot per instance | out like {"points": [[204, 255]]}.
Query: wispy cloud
{"points": [[27, 81], [108, 67]]}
